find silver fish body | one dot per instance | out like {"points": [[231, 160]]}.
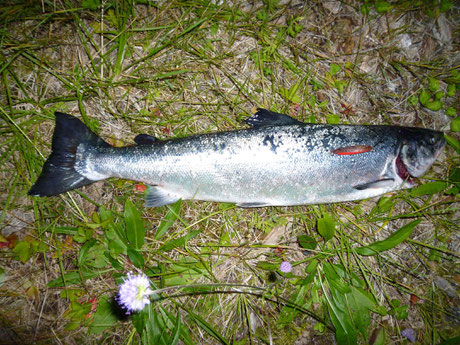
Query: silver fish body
{"points": [[278, 162]]}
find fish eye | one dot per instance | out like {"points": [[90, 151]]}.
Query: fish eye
{"points": [[432, 140]]}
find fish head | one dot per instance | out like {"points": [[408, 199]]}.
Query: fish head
{"points": [[420, 148]]}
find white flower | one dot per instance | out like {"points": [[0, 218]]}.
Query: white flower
{"points": [[134, 293], [285, 267]]}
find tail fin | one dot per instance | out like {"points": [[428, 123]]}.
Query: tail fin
{"points": [[59, 174]]}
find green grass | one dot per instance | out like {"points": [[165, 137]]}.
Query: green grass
{"points": [[362, 271]]}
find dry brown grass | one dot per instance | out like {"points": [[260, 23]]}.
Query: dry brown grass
{"points": [[180, 76]]}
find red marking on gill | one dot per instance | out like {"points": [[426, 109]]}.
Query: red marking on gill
{"points": [[402, 171], [352, 150]]}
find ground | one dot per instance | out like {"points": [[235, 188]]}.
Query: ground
{"points": [[175, 68]]}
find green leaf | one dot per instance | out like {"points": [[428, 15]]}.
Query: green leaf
{"points": [[454, 176], [92, 5], [424, 97], [169, 219], [391, 241], [326, 226], [365, 8], [340, 85], [450, 92], [83, 254], [103, 318], [429, 188], [451, 341], [23, 251], [266, 265], [2, 276], [136, 258], [384, 204], [114, 232], [382, 6], [116, 247], [435, 105], [178, 242], [345, 332], [83, 234], [453, 142], [360, 303], [307, 242], [113, 261], [438, 95], [288, 313], [311, 267], [332, 119], [334, 68], [445, 5], [433, 84], [291, 94], [451, 111], [207, 327], [412, 100], [184, 332], [135, 231], [379, 337], [176, 331], [334, 279], [455, 124]]}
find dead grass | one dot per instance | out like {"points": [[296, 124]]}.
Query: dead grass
{"points": [[175, 68]]}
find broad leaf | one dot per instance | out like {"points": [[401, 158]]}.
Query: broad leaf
{"points": [[104, 316], [429, 188], [307, 242], [136, 258], [135, 231], [452, 142], [391, 241], [326, 226], [83, 254]]}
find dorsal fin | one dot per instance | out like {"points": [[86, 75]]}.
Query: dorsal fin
{"points": [[264, 118], [145, 139]]}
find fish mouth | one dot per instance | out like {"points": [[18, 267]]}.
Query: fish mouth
{"points": [[403, 173]]}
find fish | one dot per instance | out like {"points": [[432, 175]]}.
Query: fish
{"points": [[277, 161]]}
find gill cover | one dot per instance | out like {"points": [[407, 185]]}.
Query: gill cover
{"points": [[420, 149]]}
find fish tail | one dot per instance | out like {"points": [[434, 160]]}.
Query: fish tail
{"points": [[59, 174]]}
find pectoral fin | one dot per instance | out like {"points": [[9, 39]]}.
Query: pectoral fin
{"points": [[376, 184], [158, 196]]}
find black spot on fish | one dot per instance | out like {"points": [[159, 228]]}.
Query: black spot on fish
{"points": [[222, 146], [270, 139]]}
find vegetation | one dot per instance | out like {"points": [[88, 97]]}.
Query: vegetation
{"points": [[377, 271]]}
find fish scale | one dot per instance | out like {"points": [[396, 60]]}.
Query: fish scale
{"points": [[279, 161]]}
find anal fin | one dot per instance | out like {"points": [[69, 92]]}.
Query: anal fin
{"points": [[387, 182], [157, 196]]}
